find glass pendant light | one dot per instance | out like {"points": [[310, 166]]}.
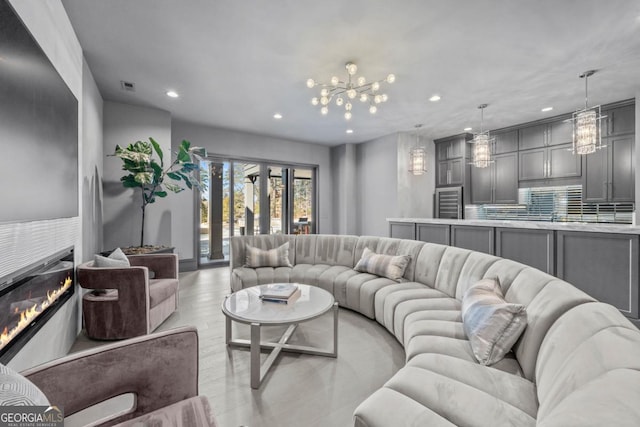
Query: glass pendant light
{"points": [[418, 157], [482, 143]]}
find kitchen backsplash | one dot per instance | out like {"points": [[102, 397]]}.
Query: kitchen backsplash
{"points": [[554, 204]]}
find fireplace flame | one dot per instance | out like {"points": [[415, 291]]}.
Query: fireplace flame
{"points": [[29, 314]]}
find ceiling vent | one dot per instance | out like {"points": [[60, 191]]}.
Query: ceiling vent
{"points": [[128, 86]]}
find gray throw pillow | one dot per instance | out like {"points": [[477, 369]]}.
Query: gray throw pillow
{"points": [[492, 325], [278, 257], [19, 391], [389, 266], [117, 258]]}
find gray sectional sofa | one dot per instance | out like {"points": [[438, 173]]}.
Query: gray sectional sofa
{"points": [[577, 363]]}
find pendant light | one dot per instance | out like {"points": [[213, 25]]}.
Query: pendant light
{"points": [[418, 156], [587, 126], [482, 143]]}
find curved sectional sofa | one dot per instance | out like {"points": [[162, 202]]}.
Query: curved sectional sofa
{"points": [[577, 363]]}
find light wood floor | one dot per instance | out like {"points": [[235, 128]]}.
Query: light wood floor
{"points": [[300, 390]]}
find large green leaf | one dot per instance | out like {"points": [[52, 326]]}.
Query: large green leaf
{"points": [[129, 181], [174, 175], [183, 155], [157, 149], [157, 169], [144, 177], [189, 167], [174, 188], [161, 193], [186, 178]]}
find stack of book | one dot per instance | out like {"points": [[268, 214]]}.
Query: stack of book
{"points": [[285, 293]]}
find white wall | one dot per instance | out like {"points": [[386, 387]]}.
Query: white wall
{"points": [[344, 176], [24, 243], [415, 192], [229, 143], [92, 166], [372, 183], [377, 178], [637, 154], [125, 124]]}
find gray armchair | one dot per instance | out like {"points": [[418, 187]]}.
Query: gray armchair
{"points": [[160, 369], [125, 302]]}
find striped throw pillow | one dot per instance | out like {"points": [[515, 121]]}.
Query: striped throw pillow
{"points": [[278, 257], [492, 325], [16, 390], [389, 266]]}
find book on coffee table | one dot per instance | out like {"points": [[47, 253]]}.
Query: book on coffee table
{"points": [[279, 292]]}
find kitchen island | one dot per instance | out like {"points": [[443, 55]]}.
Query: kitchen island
{"points": [[601, 259]]}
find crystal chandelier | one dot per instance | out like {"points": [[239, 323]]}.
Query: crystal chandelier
{"points": [[418, 157], [482, 143], [344, 92], [587, 123]]}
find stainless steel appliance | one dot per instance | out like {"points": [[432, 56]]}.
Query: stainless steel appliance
{"points": [[449, 203]]}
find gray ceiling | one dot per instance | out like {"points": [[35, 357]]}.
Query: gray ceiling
{"points": [[236, 63]]}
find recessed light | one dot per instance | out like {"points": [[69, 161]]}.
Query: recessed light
{"points": [[172, 94], [435, 98], [545, 109], [349, 130], [467, 129], [277, 116]]}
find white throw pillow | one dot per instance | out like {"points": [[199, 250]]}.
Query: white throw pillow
{"points": [[389, 266], [492, 325], [278, 257], [117, 258], [16, 390]]}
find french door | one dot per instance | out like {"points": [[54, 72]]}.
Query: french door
{"points": [[249, 198]]}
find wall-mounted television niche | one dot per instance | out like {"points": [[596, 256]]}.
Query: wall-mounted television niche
{"points": [[38, 129]]}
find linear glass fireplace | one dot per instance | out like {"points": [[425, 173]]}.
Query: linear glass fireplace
{"points": [[30, 297]]}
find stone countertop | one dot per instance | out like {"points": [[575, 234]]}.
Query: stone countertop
{"points": [[540, 225]]}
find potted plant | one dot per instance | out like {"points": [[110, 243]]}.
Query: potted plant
{"points": [[150, 175]]}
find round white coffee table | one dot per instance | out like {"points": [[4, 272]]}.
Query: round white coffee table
{"points": [[245, 306]]}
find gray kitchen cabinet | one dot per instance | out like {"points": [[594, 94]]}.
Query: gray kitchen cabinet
{"points": [[505, 182], [557, 132], [532, 164], [433, 233], [402, 230], [450, 172], [619, 120], [609, 174], [450, 149], [532, 136], [505, 141], [475, 238], [562, 163], [549, 163], [528, 246], [497, 183], [604, 265], [560, 132], [481, 183], [450, 165]]}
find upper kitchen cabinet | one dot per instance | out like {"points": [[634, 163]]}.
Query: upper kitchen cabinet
{"points": [[549, 163], [450, 172], [497, 183], [505, 141], [610, 173], [533, 136], [451, 160], [450, 148], [557, 132], [619, 120], [560, 132]]}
